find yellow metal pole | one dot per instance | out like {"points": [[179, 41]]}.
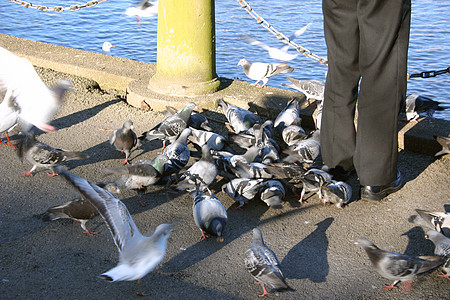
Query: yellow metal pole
{"points": [[186, 54]]}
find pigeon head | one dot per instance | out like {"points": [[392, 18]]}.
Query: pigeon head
{"points": [[128, 124], [159, 163], [432, 235], [243, 62], [365, 244], [217, 228]]}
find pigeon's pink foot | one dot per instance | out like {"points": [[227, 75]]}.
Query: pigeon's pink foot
{"points": [[390, 287], [237, 208], [27, 174], [204, 236], [53, 174], [142, 203], [443, 275], [126, 162], [264, 292], [90, 233]]}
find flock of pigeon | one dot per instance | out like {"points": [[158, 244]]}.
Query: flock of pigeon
{"points": [[260, 160]]}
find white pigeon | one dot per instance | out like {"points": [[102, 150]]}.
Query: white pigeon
{"points": [[138, 254], [263, 71], [37, 103], [277, 53], [9, 115]]}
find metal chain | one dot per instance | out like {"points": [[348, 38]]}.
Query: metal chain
{"points": [[428, 74], [57, 8], [281, 36]]}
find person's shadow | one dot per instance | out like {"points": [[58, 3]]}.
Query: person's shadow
{"points": [[308, 259]]}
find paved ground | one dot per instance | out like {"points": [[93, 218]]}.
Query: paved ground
{"points": [[315, 244]]}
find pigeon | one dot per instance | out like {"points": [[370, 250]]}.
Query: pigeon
{"points": [[240, 119], [43, 155], [227, 162], [243, 190], [275, 53], [246, 139], [140, 174], [312, 89], [171, 127], [294, 133], [396, 266], [106, 47], [335, 192], [138, 254], [444, 141], [202, 173], [214, 140], [267, 151], [288, 115], [417, 105], [143, 9], [209, 214], [252, 170], [79, 209], [9, 116], [441, 243], [439, 221], [124, 139], [312, 181], [263, 265], [282, 170], [263, 71], [305, 151], [273, 193], [178, 153], [36, 102], [196, 121]]}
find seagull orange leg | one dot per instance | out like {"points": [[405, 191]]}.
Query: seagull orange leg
{"points": [[392, 286], [140, 293], [9, 141]]}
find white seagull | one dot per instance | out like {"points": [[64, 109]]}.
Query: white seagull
{"points": [[138, 254], [145, 8]]}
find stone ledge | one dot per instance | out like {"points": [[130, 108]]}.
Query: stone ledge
{"points": [[122, 74]]}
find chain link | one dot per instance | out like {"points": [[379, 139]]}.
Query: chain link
{"points": [[281, 36], [57, 8], [428, 74]]}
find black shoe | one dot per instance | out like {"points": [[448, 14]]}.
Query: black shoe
{"points": [[338, 173], [377, 193]]}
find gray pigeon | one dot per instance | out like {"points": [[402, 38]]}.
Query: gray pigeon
{"points": [[140, 174], [335, 192], [79, 209], [196, 121], [171, 127], [267, 151], [417, 105], [240, 119], [178, 153], [263, 71], [273, 193], [294, 133], [287, 116], [214, 140], [138, 254], [9, 115], [36, 102], [202, 173], [312, 181], [305, 151], [282, 170], [246, 139], [396, 266], [444, 141], [263, 264], [227, 162], [43, 155], [252, 170], [124, 139], [439, 221], [209, 214], [441, 243], [312, 89], [243, 190]]}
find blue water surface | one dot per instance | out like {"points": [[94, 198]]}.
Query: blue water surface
{"points": [[88, 28]]}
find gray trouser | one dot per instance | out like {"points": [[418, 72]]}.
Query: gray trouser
{"points": [[367, 40]]}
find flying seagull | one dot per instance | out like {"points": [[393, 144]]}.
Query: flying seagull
{"points": [[138, 254]]}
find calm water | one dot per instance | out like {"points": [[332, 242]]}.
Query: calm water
{"points": [[88, 28]]}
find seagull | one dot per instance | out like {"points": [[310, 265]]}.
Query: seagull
{"points": [[416, 105], [106, 47], [396, 266], [275, 53], [312, 89], [43, 155], [9, 116], [444, 141], [239, 118], [209, 214], [439, 221], [124, 139], [140, 174], [145, 8], [170, 127], [263, 265], [138, 254], [202, 173], [263, 71], [79, 209], [37, 104]]}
